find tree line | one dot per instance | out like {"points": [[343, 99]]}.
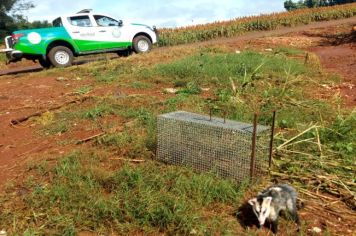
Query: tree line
{"points": [[12, 17], [290, 5]]}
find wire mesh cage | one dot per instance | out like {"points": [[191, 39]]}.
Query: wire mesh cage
{"points": [[212, 145]]}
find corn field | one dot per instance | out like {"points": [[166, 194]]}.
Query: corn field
{"points": [[239, 26]]}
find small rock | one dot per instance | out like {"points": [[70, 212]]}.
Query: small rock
{"points": [[118, 94], [205, 89], [316, 230], [3, 233], [237, 51], [269, 50], [62, 79], [170, 90]]}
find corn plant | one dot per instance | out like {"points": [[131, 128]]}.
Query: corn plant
{"points": [[238, 26]]}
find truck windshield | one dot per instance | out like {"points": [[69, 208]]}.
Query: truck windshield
{"points": [[57, 22]]}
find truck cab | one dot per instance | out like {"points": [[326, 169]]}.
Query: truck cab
{"points": [[79, 34]]}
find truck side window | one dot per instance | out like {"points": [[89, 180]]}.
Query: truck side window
{"points": [[57, 22], [105, 21], [82, 21]]}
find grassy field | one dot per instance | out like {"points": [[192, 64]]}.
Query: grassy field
{"points": [[93, 189]]}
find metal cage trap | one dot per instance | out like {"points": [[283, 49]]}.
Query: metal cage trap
{"points": [[229, 149]]}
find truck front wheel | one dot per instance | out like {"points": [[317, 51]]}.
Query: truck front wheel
{"points": [[60, 56], [142, 44]]}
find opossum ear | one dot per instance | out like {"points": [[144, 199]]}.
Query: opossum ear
{"points": [[252, 201], [268, 200]]}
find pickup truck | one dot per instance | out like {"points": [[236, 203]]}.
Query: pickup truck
{"points": [[79, 34]]}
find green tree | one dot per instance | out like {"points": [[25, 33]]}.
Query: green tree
{"points": [[11, 14], [312, 3], [290, 5]]}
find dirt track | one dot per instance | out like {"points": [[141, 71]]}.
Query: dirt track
{"points": [[22, 93]]}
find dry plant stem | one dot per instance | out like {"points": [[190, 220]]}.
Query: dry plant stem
{"points": [[319, 143], [126, 159], [17, 121], [234, 88], [301, 141], [295, 137], [90, 138]]}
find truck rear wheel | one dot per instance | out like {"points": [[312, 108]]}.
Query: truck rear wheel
{"points": [[142, 44], [60, 56]]}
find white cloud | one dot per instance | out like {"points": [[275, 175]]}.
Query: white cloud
{"points": [[158, 12]]}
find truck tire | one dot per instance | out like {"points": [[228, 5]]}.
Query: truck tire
{"points": [[45, 63], [142, 44], [60, 56], [124, 53]]}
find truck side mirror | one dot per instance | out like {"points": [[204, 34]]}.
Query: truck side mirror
{"points": [[120, 23]]}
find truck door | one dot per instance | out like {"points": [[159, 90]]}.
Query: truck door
{"points": [[110, 32], [83, 33]]}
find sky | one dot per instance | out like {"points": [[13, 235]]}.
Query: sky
{"points": [[162, 13]]}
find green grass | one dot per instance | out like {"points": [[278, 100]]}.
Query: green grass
{"points": [[217, 68], [140, 85], [288, 51], [261, 79], [3, 59], [83, 90], [147, 198], [91, 191]]}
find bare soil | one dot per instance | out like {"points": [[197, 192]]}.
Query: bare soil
{"points": [[23, 92]]}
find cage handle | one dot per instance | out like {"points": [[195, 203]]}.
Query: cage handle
{"points": [[211, 114]]}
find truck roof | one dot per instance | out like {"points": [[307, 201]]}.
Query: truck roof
{"points": [[86, 12]]}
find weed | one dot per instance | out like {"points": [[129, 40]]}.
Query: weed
{"points": [[342, 135], [99, 110], [83, 90], [191, 88], [140, 85], [56, 127]]}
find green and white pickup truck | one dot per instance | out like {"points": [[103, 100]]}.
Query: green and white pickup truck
{"points": [[79, 34]]}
